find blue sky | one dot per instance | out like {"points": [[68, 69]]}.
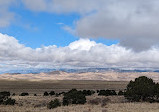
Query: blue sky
{"points": [[79, 34], [36, 29]]}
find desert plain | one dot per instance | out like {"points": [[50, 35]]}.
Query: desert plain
{"points": [[39, 83]]}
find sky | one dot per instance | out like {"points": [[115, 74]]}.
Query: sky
{"points": [[79, 34]]}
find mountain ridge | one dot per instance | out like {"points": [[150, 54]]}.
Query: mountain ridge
{"points": [[45, 70]]}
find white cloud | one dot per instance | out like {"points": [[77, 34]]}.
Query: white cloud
{"points": [[135, 23], [81, 53], [82, 44], [6, 16], [34, 5], [62, 6]]}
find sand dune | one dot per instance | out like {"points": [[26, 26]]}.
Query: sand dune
{"points": [[59, 75]]}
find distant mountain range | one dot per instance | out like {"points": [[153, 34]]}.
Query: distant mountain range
{"points": [[82, 74], [96, 70]]}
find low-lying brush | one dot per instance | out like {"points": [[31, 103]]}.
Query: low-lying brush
{"points": [[24, 94], [98, 101], [74, 97], [52, 93], [54, 104], [4, 93], [5, 100], [46, 93], [88, 92], [104, 102], [9, 101], [120, 93], [95, 101], [106, 92]]}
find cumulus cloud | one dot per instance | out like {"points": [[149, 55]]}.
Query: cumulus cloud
{"points": [[62, 6], [135, 23], [81, 53], [6, 16]]}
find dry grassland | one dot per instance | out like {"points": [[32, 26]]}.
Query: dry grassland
{"points": [[39, 103], [39, 87]]}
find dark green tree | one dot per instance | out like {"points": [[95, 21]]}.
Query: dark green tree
{"points": [[142, 89], [88, 92], [74, 97], [120, 93], [106, 92], [46, 93], [157, 90], [5, 93], [24, 94], [52, 93]]}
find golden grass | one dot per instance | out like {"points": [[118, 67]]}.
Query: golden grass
{"points": [[39, 104], [133, 107], [112, 107]]}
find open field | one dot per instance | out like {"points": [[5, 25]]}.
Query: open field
{"points": [[39, 103], [116, 104], [39, 87], [118, 107]]}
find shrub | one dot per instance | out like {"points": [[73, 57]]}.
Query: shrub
{"points": [[54, 104], [92, 92], [5, 93], [95, 101], [74, 97], [157, 90], [24, 94], [9, 101], [142, 89], [1, 99], [112, 92], [5, 100], [84, 92], [104, 102], [120, 93], [62, 92], [13, 94], [57, 94], [52, 93], [106, 92], [88, 92], [101, 92], [46, 93], [98, 101], [35, 94]]}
